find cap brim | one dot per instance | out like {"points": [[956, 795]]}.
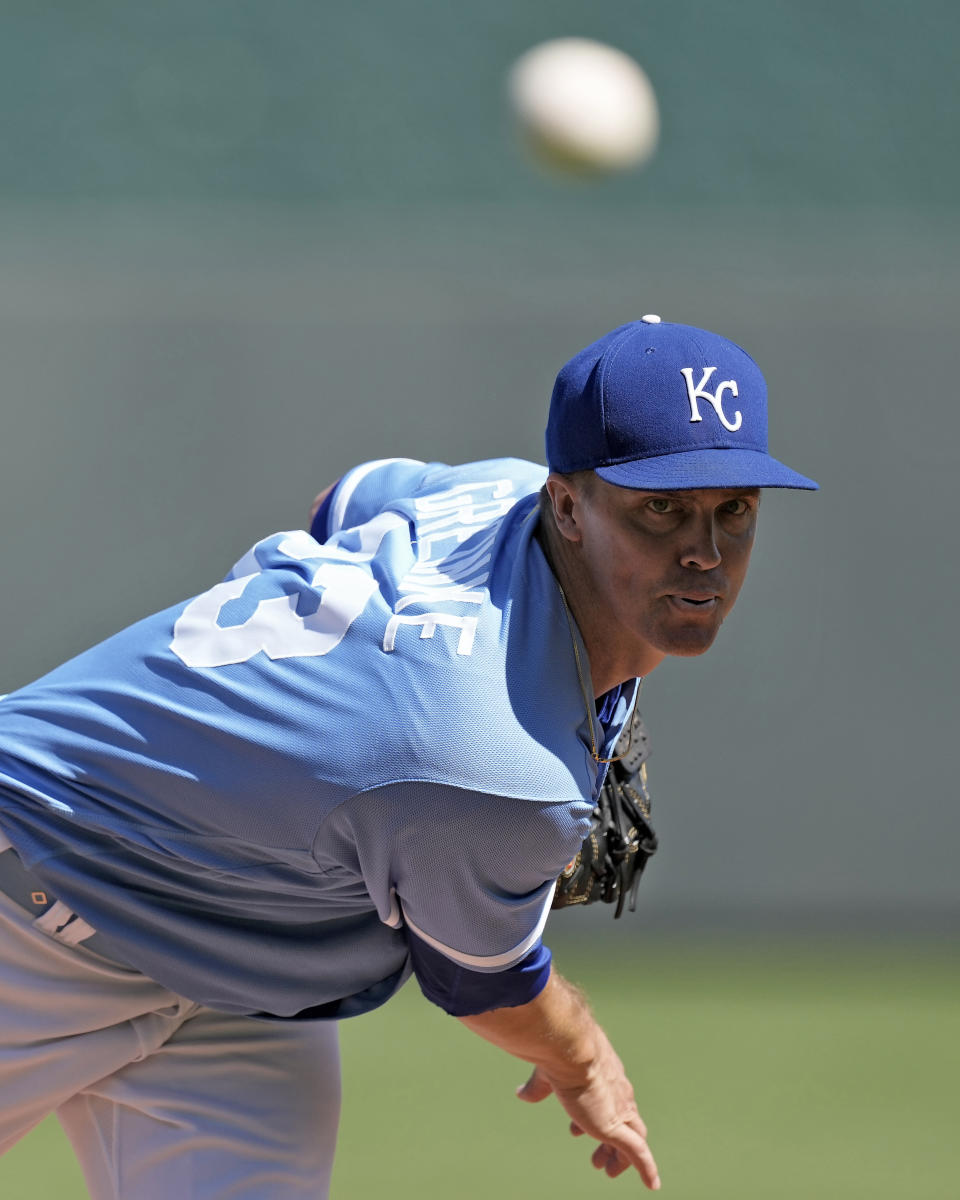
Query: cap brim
{"points": [[712, 468]]}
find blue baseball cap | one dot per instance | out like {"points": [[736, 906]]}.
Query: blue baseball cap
{"points": [[660, 406]]}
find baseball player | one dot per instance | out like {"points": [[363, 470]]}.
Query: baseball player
{"points": [[368, 752]]}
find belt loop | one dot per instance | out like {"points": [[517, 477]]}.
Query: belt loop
{"points": [[63, 924]]}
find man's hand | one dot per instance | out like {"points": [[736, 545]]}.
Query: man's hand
{"points": [[575, 1061], [604, 1108]]}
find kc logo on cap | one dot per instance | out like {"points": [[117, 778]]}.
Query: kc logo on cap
{"points": [[716, 399], [619, 408]]}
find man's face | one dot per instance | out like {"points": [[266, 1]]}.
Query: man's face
{"points": [[665, 567]]}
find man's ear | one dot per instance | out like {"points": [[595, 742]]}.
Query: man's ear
{"points": [[565, 498]]}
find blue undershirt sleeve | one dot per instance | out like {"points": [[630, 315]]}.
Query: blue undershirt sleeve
{"points": [[464, 993]]}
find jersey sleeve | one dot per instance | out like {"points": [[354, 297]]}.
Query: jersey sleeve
{"points": [[469, 876], [364, 492], [464, 993]]}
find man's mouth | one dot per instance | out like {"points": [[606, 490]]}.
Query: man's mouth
{"points": [[695, 601]]}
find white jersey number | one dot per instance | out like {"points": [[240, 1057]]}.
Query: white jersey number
{"points": [[275, 627]]}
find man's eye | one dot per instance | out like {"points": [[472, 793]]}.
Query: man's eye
{"points": [[660, 504], [737, 508]]}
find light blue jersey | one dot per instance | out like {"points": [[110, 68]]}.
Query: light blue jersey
{"points": [[378, 730]]}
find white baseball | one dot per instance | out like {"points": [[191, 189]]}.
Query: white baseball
{"points": [[584, 105]]}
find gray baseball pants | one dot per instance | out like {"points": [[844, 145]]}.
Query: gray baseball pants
{"points": [[161, 1098]]}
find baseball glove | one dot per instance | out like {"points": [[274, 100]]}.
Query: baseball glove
{"points": [[621, 839]]}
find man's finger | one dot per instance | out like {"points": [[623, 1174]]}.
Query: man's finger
{"points": [[633, 1147], [616, 1164], [536, 1088], [601, 1156], [629, 1149]]}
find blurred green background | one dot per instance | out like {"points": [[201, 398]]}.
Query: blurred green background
{"points": [[762, 1071], [244, 246]]}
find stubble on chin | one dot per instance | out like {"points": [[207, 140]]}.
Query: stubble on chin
{"points": [[687, 640]]}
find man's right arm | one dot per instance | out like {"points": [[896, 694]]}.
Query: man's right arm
{"points": [[574, 1060], [469, 877]]}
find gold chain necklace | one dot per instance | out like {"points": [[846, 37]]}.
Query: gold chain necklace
{"points": [[590, 708]]}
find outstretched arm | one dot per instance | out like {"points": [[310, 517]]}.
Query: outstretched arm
{"points": [[574, 1060]]}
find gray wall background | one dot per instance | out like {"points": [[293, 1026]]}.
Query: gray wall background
{"points": [[243, 246]]}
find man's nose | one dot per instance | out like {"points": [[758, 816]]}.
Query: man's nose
{"points": [[702, 553]]}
